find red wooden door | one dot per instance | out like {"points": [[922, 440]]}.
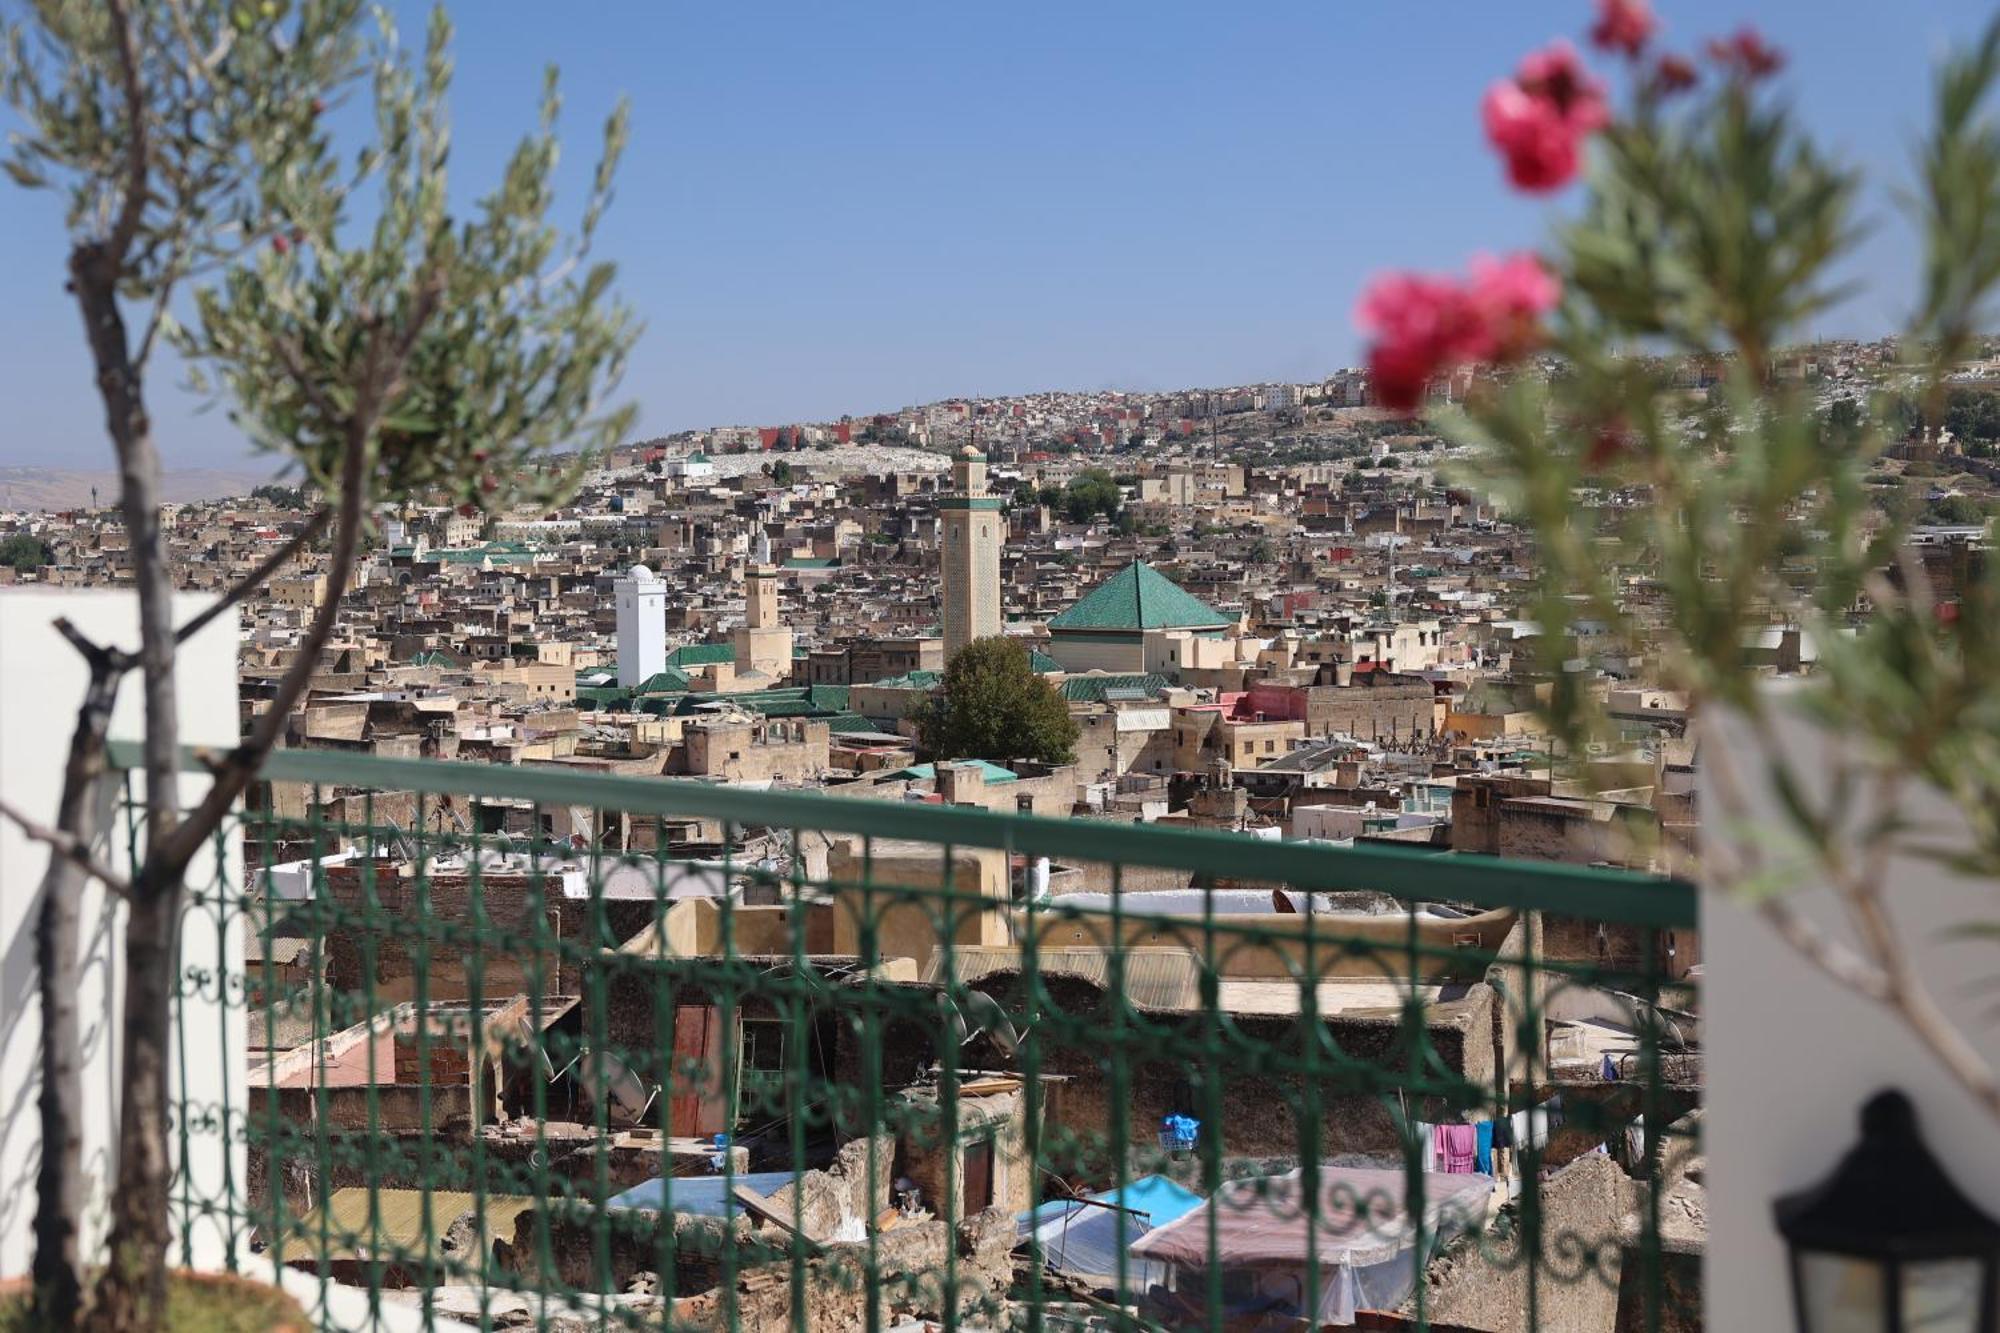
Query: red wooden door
{"points": [[978, 1176], [696, 1105]]}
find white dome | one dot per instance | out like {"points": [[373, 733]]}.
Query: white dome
{"points": [[641, 574]]}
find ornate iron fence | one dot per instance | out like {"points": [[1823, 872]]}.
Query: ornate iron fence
{"points": [[534, 1047]]}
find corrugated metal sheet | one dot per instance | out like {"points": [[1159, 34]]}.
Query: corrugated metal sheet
{"points": [[1169, 981], [1144, 719], [1163, 979]]}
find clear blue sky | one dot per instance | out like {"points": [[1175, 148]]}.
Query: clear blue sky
{"points": [[846, 208]]}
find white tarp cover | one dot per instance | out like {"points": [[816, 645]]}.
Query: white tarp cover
{"points": [[1358, 1233], [1079, 1238]]}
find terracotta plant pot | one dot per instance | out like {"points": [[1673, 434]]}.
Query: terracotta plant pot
{"points": [[194, 1302]]}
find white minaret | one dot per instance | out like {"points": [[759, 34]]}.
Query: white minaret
{"points": [[642, 626]]}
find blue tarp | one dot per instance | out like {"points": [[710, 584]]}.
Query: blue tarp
{"points": [[1078, 1238], [702, 1196]]}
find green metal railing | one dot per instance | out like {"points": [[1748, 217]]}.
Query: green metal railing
{"points": [[496, 1017]]}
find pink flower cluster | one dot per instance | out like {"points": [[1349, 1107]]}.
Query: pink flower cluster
{"points": [[1423, 325], [1539, 118], [1624, 26], [1746, 54]]}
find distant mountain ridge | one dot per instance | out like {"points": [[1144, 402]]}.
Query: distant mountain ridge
{"points": [[47, 488]]}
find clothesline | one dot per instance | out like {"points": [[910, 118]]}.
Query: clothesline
{"points": [[1469, 1147]]}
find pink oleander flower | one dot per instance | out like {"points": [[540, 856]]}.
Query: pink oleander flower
{"points": [[1624, 26], [1674, 74], [1746, 53], [1511, 295], [1539, 118], [1423, 325]]}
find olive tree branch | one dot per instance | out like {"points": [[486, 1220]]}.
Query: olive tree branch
{"points": [[133, 208], [1881, 969], [381, 370]]}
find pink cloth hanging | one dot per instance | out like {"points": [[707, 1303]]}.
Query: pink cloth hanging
{"points": [[1458, 1148]]}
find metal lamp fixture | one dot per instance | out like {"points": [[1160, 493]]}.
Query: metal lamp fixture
{"points": [[1887, 1243]]}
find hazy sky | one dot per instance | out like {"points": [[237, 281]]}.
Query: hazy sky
{"points": [[846, 208]]}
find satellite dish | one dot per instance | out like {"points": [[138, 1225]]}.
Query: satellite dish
{"points": [[980, 1013], [610, 1083]]}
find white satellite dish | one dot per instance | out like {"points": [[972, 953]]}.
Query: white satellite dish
{"points": [[610, 1083], [980, 1013]]}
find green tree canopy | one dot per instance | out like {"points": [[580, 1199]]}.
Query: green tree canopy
{"points": [[21, 551], [1961, 509], [1973, 415], [284, 497], [993, 706], [1090, 493]]}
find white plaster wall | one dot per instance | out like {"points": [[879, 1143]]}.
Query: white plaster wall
{"points": [[1790, 1056], [41, 682]]}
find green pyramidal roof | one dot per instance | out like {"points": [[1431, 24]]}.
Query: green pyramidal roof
{"points": [[1140, 597]]}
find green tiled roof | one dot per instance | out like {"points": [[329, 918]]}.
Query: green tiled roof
{"points": [[828, 696], [848, 722], [994, 773], [1139, 597], [1042, 664], [800, 707], [1092, 689], [500, 553], [669, 681], [602, 698], [812, 562], [812, 701], [701, 654], [432, 657]]}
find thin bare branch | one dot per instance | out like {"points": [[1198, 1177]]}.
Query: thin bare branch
{"points": [[70, 848], [295, 366], [429, 294], [133, 209], [1825, 952], [1883, 973], [171, 855], [255, 578]]}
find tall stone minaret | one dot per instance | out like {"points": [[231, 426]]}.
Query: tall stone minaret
{"points": [[764, 642], [970, 561]]}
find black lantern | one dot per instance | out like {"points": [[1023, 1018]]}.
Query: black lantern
{"points": [[1887, 1244]]}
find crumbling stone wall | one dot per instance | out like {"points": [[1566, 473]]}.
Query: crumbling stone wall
{"points": [[1577, 1288], [1262, 1113], [909, 1276], [367, 942], [1399, 707]]}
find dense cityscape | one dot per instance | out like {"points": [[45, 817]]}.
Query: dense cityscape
{"points": [[1274, 611], [1497, 837]]}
